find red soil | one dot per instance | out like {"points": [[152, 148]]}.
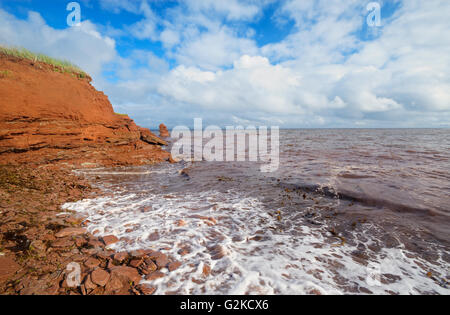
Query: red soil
{"points": [[50, 116]]}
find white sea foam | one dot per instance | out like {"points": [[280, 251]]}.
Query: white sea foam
{"points": [[273, 263]]}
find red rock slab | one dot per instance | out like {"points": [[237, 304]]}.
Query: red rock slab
{"points": [[120, 257], [62, 243], [206, 270], [135, 263], [174, 266], [126, 273], [160, 259], [71, 232], [100, 277], [109, 240], [8, 267], [88, 284], [151, 266], [155, 275], [218, 252], [92, 263], [146, 289], [140, 253], [115, 285]]}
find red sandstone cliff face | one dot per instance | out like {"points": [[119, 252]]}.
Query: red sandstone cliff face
{"points": [[49, 116]]}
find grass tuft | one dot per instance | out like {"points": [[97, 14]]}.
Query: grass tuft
{"points": [[60, 65], [5, 74]]}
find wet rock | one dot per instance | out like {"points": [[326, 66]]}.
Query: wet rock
{"points": [[140, 253], [100, 277], [162, 261], [174, 266], [146, 289], [153, 237], [110, 240], [185, 173], [71, 232], [150, 265], [154, 275], [218, 252], [206, 270]]}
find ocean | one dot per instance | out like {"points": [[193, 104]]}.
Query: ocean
{"points": [[347, 212]]}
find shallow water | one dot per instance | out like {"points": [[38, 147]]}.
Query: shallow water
{"points": [[348, 211]]}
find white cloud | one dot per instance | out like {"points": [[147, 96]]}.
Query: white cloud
{"points": [[231, 9], [214, 50]]}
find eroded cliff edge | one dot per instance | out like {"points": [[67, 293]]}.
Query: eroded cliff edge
{"points": [[48, 115]]}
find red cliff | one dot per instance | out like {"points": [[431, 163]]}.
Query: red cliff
{"points": [[49, 115]]}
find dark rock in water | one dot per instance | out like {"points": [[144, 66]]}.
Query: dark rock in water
{"points": [[185, 173], [110, 239]]}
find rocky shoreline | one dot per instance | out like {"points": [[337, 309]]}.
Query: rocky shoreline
{"points": [[38, 241], [52, 122]]}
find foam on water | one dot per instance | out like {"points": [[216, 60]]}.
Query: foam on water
{"points": [[246, 249]]}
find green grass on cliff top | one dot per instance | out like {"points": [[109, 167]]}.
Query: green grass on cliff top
{"points": [[23, 53]]}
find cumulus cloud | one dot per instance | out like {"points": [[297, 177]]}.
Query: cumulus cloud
{"points": [[327, 72]]}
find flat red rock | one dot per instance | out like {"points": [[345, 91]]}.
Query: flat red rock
{"points": [[110, 239], [155, 275], [120, 257], [126, 273], [71, 232], [92, 263], [174, 266], [8, 267], [100, 277], [147, 290]]}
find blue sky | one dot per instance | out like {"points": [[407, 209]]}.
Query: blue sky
{"points": [[290, 63]]}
